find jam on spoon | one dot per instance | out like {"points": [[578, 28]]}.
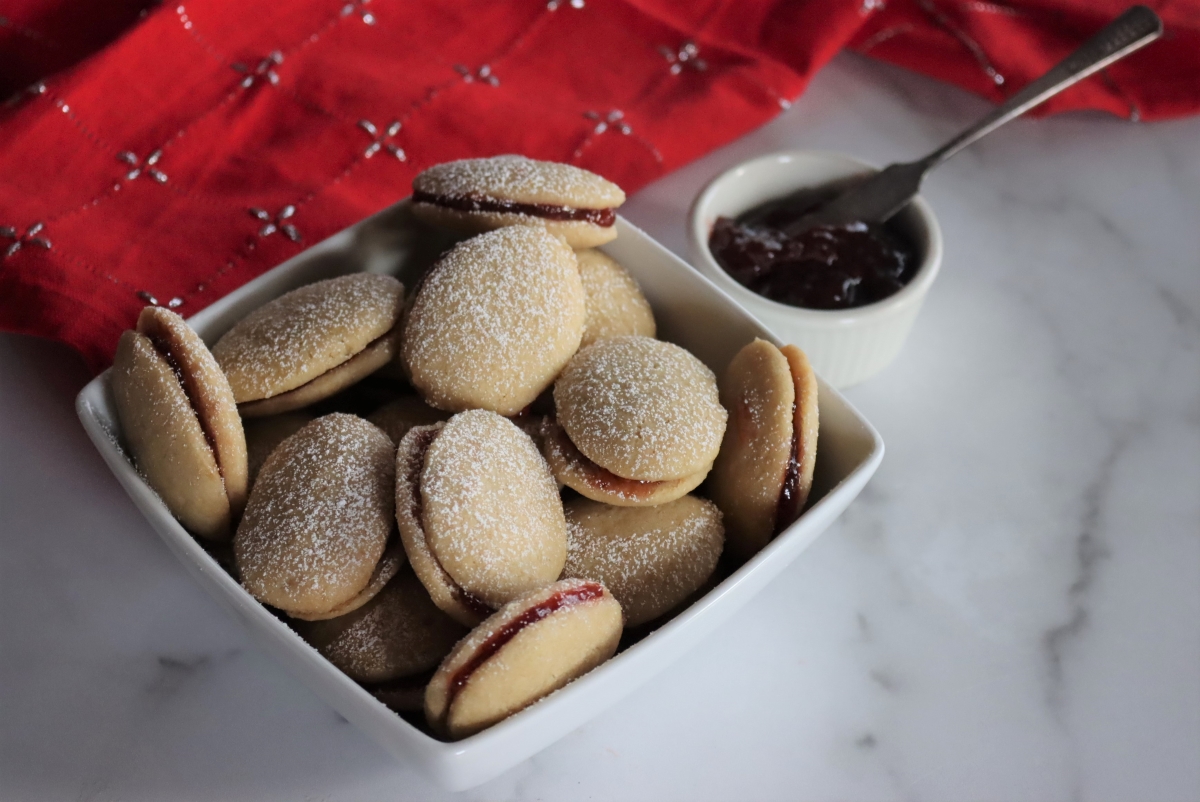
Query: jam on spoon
{"points": [[826, 267]]}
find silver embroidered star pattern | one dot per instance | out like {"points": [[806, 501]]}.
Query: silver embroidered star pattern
{"points": [[614, 119], [174, 303], [361, 9], [30, 237], [484, 74], [688, 55], [265, 69], [276, 223], [139, 167], [380, 140]]}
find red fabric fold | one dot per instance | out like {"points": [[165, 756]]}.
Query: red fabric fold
{"points": [[150, 155]]}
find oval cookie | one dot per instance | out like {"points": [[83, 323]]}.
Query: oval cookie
{"points": [[180, 420], [484, 194], [397, 634], [479, 513], [494, 321], [652, 558], [615, 304], [310, 343], [527, 650], [761, 478], [319, 516], [641, 408]]}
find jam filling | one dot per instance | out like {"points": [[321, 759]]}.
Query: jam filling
{"points": [[498, 639], [416, 464], [164, 350], [826, 267], [476, 203], [788, 509], [598, 477]]}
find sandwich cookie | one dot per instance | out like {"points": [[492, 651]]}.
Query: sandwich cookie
{"points": [[485, 194], [397, 634], [479, 514], [763, 475], [494, 321], [615, 304], [650, 558], [181, 422], [640, 422], [570, 468], [319, 519], [396, 417], [310, 343], [529, 649]]}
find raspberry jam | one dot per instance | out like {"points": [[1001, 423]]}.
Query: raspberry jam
{"points": [[586, 592], [826, 267], [464, 203]]}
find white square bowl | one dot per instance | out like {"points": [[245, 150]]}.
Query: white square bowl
{"points": [[691, 312]]}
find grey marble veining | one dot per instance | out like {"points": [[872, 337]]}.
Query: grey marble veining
{"points": [[1008, 612]]}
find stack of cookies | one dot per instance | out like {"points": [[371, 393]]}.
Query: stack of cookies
{"points": [[473, 537]]}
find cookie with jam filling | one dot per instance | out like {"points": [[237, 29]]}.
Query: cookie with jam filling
{"points": [[312, 342], [763, 475], [483, 194], [479, 513], [530, 648], [638, 422], [181, 423]]}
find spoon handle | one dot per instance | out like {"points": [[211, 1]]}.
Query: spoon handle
{"points": [[882, 195], [1135, 28]]}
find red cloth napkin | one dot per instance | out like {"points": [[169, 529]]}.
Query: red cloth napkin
{"points": [[170, 154]]}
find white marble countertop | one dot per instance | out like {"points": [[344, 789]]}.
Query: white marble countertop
{"points": [[1011, 611]]}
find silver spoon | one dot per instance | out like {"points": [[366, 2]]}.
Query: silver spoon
{"points": [[886, 192]]}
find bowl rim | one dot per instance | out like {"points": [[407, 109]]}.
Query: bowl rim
{"points": [[699, 230]]}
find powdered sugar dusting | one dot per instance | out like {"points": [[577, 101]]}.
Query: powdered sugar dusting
{"points": [[651, 559], [615, 304], [302, 334], [748, 475], [165, 438], [319, 515], [641, 408], [760, 432], [444, 591], [522, 180], [398, 633], [495, 321], [492, 513], [207, 391]]}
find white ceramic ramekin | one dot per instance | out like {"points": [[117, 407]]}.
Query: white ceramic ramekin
{"points": [[844, 346]]}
